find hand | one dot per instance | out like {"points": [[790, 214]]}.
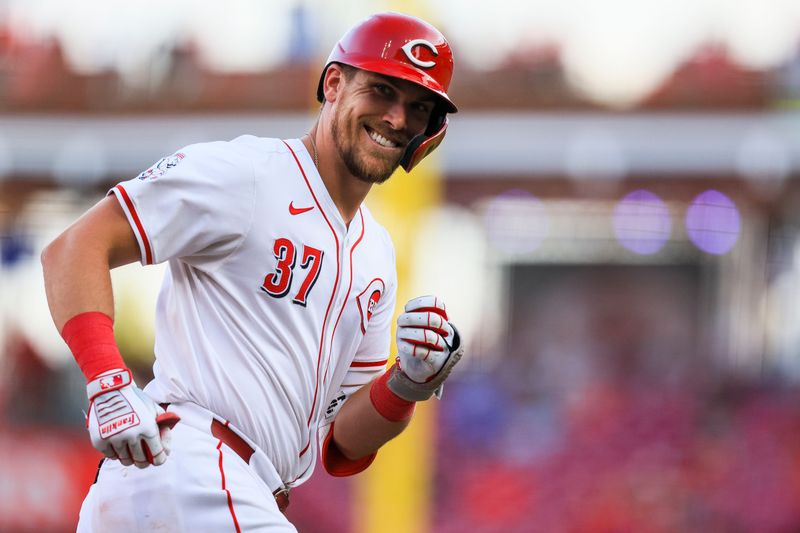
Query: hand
{"points": [[423, 333], [124, 423], [428, 348]]}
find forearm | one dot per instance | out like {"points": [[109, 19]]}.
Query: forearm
{"points": [[360, 429]]}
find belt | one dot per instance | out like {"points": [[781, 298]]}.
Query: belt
{"points": [[236, 443]]}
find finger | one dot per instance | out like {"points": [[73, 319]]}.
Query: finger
{"points": [[424, 319], [167, 420], [105, 448], [427, 303], [166, 439], [422, 337], [137, 453], [108, 451], [449, 332], [154, 451], [414, 351], [147, 453], [123, 453]]}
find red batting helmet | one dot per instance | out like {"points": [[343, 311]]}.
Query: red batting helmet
{"points": [[408, 48]]}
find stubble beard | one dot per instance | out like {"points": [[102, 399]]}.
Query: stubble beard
{"points": [[357, 166]]}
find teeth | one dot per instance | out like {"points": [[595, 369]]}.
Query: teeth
{"points": [[380, 139]]}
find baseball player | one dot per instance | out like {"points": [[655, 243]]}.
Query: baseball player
{"points": [[273, 321]]}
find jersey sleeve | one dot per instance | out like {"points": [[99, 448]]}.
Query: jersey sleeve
{"points": [[373, 352], [196, 204]]}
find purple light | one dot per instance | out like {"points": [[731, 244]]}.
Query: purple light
{"points": [[642, 222], [713, 222], [516, 222]]}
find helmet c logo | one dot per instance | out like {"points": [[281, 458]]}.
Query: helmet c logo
{"points": [[409, 47]]}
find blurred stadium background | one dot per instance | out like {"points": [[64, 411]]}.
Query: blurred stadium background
{"points": [[614, 221]]}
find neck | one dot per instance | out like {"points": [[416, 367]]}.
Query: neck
{"points": [[347, 191]]}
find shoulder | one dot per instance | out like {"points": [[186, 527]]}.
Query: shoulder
{"points": [[242, 148], [242, 145], [261, 151], [257, 145], [236, 157]]}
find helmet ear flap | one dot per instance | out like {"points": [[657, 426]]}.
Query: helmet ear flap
{"points": [[425, 143]]}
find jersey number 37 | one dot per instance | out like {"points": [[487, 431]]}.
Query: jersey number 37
{"points": [[278, 283]]}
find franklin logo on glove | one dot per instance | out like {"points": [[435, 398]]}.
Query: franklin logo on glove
{"points": [[120, 424]]}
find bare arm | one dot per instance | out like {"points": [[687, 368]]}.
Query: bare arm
{"points": [[77, 263], [360, 430], [77, 281]]}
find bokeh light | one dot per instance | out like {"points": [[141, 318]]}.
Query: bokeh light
{"points": [[516, 222], [713, 222], [642, 222]]}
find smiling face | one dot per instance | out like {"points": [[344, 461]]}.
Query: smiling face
{"points": [[374, 118]]}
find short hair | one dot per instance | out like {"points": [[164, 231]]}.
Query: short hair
{"points": [[348, 71]]}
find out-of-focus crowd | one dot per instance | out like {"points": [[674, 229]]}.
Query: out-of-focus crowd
{"points": [[623, 457]]}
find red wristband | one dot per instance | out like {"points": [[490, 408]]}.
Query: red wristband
{"points": [[389, 405], [90, 337]]}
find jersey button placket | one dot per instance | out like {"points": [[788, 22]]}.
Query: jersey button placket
{"points": [[327, 349], [341, 290]]}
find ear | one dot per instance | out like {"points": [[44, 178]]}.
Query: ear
{"points": [[333, 82]]}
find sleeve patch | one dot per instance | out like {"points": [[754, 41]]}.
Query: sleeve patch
{"points": [[368, 299], [335, 405], [162, 166]]}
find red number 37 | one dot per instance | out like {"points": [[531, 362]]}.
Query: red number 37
{"points": [[279, 283]]}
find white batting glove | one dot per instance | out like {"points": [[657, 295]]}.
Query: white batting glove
{"points": [[126, 424], [428, 348]]}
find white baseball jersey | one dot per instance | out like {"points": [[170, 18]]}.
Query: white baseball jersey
{"points": [[272, 310]]}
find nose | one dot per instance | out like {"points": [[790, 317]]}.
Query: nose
{"points": [[395, 116]]}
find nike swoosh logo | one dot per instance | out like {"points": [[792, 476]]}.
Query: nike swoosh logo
{"points": [[298, 210]]}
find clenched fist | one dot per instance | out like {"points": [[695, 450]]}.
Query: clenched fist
{"points": [[124, 423], [428, 348]]}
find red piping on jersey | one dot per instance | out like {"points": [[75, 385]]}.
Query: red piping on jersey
{"points": [[148, 254], [349, 287], [227, 492], [356, 364], [304, 450], [333, 294]]}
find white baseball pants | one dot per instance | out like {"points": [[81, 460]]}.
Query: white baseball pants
{"points": [[203, 486]]}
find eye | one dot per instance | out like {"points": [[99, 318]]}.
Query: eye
{"points": [[383, 89], [421, 107]]}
